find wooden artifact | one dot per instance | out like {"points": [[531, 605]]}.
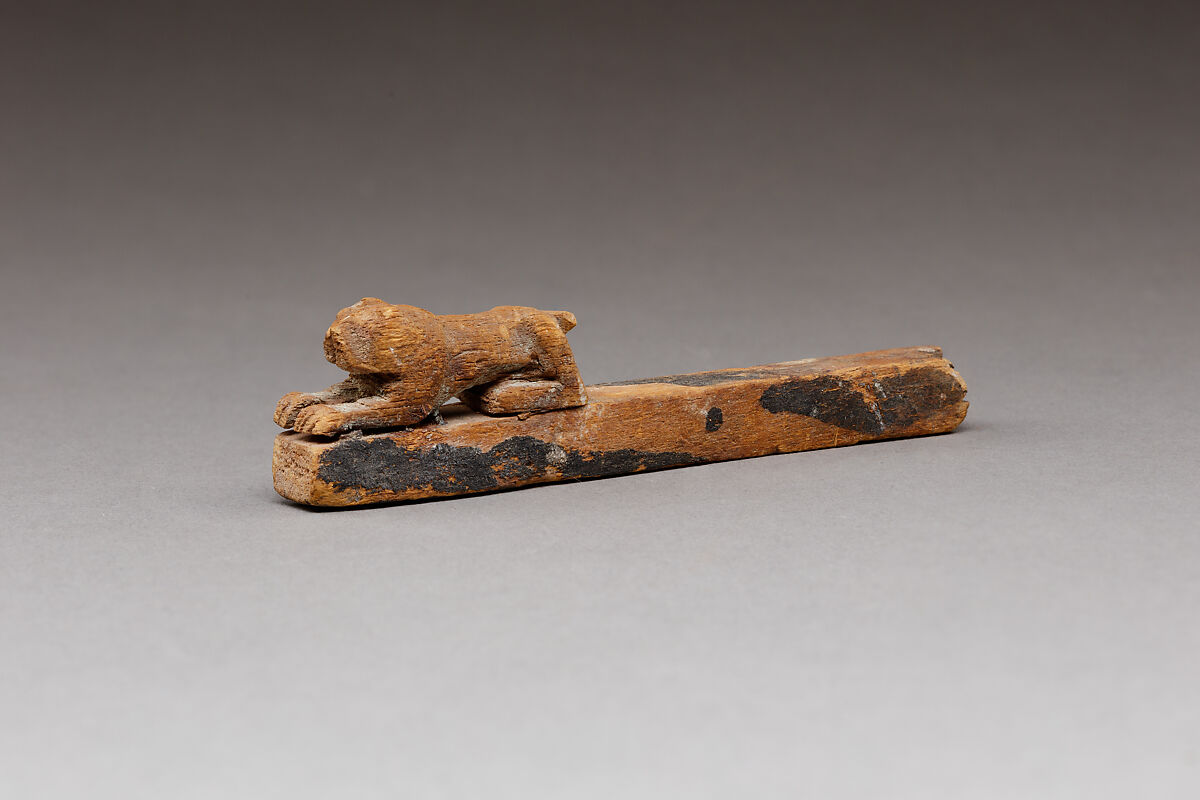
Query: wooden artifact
{"points": [[404, 363], [526, 418]]}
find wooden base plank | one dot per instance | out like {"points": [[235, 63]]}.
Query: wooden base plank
{"points": [[644, 424]]}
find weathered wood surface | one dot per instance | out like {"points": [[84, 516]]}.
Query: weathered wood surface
{"points": [[638, 425], [405, 362]]}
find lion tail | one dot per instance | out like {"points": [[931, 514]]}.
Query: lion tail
{"points": [[565, 319]]}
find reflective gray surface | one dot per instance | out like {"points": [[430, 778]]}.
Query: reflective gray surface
{"points": [[189, 194]]}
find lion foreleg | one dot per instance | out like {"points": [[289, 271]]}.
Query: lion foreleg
{"points": [[292, 403], [396, 405]]}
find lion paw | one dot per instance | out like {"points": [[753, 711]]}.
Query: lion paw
{"points": [[292, 404], [320, 420]]}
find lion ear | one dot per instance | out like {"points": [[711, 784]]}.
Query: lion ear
{"points": [[371, 301]]}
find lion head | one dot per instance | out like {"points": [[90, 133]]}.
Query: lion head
{"points": [[373, 337]]}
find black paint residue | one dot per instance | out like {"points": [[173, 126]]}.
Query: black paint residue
{"points": [[832, 400], [713, 420], [381, 464], [892, 402]]}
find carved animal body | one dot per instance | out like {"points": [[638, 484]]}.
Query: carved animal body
{"points": [[405, 362]]}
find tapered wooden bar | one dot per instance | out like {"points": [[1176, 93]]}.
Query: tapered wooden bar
{"points": [[638, 425]]}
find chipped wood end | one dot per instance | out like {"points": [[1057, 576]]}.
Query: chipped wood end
{"points": [[634, 426]]}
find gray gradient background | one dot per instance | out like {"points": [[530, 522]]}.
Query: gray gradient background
{"points": [[188, 194]]}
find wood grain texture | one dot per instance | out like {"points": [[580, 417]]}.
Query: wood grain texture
{"points": [[638, 425], [405, 362]]}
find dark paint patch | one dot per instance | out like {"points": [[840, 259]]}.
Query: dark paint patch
{"points": [[832, 400], [381, 464], [896, 401], [371, 463], [713, 420]]}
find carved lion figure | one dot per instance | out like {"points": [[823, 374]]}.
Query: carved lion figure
{"points": [[404, 363]]}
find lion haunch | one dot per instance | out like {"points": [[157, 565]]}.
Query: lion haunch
{"points": [[405, 362]]}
